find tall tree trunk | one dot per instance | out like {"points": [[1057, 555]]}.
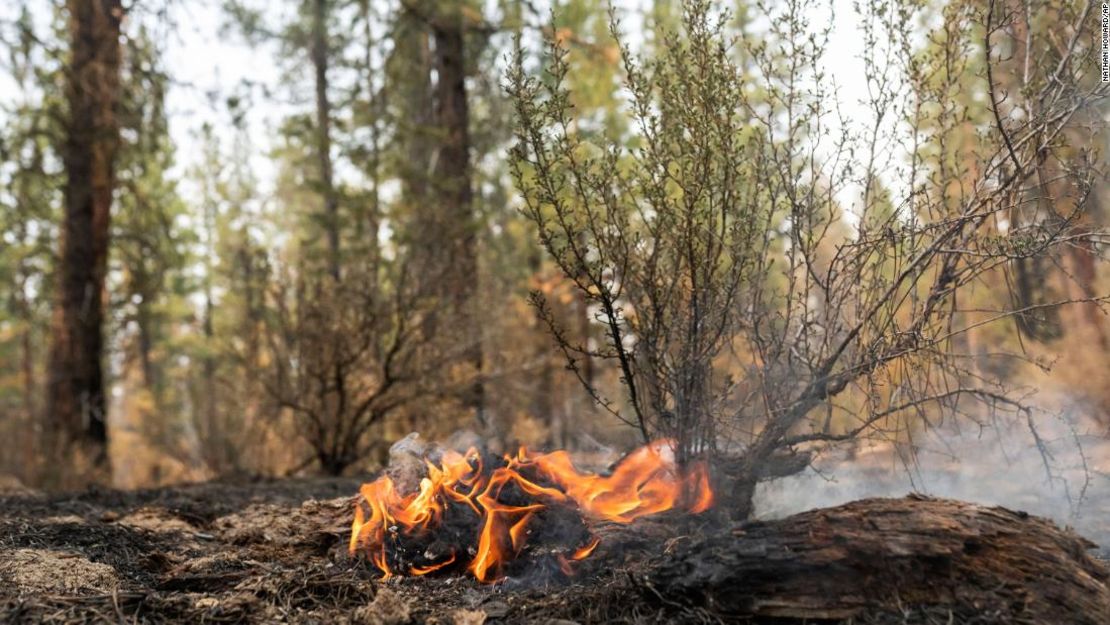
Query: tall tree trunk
{"points": [[323, 133], [30, 384], [374, 108], [234, 431], [31, 427], [214, 440], [452, 179], [409, 68], [76, 406], [144, 321]]}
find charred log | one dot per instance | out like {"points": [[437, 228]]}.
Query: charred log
{"points": [[877, 559]]}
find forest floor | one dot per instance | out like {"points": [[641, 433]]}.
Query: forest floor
{"points": [[275, 551]]}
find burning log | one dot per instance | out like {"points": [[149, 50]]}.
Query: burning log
{"points": [[916, 560], [481, 515]]}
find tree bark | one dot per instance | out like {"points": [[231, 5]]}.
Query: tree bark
{"points": [[76, 406], [452, 180]]}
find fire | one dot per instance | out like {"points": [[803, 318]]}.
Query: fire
{"points": [[646, 482]]}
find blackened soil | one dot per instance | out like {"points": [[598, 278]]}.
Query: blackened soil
{"points": [[275, 552], [252, 552]]}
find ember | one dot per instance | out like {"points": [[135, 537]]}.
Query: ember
{"points": [[468, 515]]}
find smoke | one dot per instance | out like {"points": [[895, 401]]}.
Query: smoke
{"points": [[1060, 471]]}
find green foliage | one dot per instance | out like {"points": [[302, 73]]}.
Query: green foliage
{"points": [[662, 235]]}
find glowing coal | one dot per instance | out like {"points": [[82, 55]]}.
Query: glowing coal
{"points": [[480, 516]]}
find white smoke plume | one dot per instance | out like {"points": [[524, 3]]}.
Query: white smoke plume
{"points": [[1062, 472]]}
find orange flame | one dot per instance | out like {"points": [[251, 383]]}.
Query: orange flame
{"points": [[424, 570], [646, 482], [584, 552]]}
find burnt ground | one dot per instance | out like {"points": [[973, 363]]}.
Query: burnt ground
{"points": [[275, 552], [261, 552]]}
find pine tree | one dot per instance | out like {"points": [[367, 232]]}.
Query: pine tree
{"points": [[76, 405]]}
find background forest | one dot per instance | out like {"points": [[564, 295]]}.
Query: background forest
{"points": [[427, 239]]}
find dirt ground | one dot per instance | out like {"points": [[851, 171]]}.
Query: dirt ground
{"points": [[275, 552]]}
